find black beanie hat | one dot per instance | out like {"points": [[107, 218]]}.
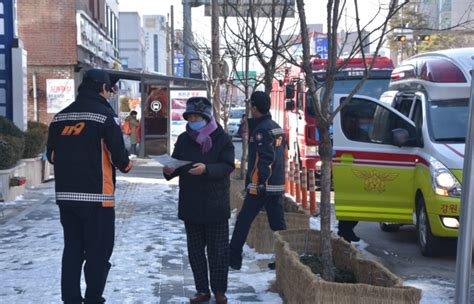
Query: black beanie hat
{"points": [[198, 105], [261, 101]]}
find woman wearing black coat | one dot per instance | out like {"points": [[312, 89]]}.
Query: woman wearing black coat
{"points": [[204, 187]]}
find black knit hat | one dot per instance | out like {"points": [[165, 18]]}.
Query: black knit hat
{"points": [[261, 101], [198, 105]]}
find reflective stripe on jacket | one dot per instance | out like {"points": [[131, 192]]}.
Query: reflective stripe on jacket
{"points": [[85, 144], [266, 156]]}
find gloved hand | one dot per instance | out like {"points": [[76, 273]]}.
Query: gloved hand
{"points": [[262, 190]]}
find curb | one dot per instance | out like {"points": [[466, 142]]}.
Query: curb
{"points": [[12, 214]]}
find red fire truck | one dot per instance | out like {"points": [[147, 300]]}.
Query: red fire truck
{"points": [[295, 112]]}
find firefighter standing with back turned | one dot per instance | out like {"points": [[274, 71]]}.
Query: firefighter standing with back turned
{"points": [[85, 144]]}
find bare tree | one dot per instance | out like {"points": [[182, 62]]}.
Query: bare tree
{"points": [[245, 36], [274, 21], [238, 41], [335, 9], [203, 52]]}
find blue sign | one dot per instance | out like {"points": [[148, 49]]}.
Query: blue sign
{"points": [[6, 43], [321, 46], [179, 65]]}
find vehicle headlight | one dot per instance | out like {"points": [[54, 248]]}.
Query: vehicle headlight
{"points": [[443, 181]]}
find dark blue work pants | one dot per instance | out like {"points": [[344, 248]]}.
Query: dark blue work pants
{"points": [[253, 204], [88, 236]]}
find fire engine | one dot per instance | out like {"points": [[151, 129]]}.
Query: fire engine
{"points": [[294, 111]]}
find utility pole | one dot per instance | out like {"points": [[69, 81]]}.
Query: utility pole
{"points": [[172, 41], [168, 45], [464, 249], [216, 70], [187, 38], [402, 26]]}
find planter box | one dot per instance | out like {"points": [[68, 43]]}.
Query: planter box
{"points": [[8, 193], [297, 284], [261, 237], [33, 171]]}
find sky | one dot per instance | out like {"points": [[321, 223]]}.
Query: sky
{"points": [[315, 13]]}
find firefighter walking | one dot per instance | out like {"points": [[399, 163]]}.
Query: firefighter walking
{"points": [[85, 144], [265, 179]]}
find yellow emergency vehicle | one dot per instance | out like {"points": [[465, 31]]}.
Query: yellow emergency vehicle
{"points": [[400, 159]]}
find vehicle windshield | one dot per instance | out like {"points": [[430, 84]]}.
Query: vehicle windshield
{"points": [[372, 88], [236, 113], [447, 120]]}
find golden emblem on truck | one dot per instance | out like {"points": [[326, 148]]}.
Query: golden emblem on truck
{"points": [[374, 181]]}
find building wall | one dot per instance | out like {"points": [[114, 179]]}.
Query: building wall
{"points": [[447, 13], [49, 35], [352, 39], [155, 43], [131, 41], [43, 73], [462, 11], [48, 29]]}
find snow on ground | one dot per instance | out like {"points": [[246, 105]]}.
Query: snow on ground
{"points": [[150, 256], [149, 262], [434, 291]]}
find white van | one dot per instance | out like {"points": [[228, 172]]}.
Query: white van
{"points": [[400, 159]]}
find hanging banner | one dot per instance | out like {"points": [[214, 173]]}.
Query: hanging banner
{"points": [[59, 93]]}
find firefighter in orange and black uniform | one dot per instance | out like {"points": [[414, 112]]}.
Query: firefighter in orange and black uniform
{"points": [[265, 180], [85, 144]]}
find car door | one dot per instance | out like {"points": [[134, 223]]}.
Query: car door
{"points": [[373, 178]]}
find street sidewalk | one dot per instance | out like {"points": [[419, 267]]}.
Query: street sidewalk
{"points": [[149, 263]]}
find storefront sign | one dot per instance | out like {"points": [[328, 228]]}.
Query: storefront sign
{"points": [[92, 38]]}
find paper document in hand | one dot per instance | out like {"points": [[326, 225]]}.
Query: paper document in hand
{"points": [[168, 161]]}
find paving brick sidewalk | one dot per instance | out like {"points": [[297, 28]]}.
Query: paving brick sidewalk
{"points": [[150, 263]]}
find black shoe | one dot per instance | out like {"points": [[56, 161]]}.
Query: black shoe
{"points": [[349, 236], [235, 261], [272, 265]]}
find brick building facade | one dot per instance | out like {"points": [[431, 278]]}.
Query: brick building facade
{"points": [[63, 38]]}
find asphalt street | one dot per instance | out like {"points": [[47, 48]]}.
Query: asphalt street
{"points": [[399, 252]]}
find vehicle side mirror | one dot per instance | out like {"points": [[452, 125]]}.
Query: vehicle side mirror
{"points": [[289, 105], [290, 91], [401, 138]]}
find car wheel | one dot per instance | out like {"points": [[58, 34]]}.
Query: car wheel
{"points": [[429, 244], [388, 227]]}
